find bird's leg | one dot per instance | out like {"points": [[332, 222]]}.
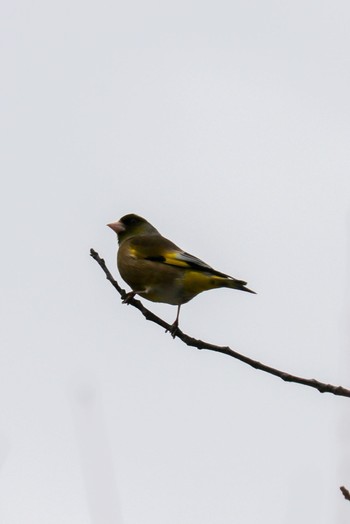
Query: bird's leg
{"points": [[175, 326], [128, 297]]}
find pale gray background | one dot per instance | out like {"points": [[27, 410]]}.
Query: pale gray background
{"points": [[226, 124]]}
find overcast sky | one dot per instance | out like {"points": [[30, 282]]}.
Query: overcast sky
{"points": [[227, 126]]}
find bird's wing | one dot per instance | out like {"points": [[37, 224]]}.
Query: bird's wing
{"points": [[162, 250]]}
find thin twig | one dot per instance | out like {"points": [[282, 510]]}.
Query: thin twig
{"points": [[200, 344], [345, 492]]}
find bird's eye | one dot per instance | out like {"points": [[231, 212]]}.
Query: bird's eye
{"points": [[129, 220]]}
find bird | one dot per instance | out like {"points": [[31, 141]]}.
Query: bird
{"points": [[157, 269]]}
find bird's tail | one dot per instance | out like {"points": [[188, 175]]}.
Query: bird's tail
{"points": [[233, 283]]}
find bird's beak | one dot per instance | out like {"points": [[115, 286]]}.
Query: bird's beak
{"points": [[118, 227]]}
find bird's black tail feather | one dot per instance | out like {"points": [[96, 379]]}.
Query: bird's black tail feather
{"points": [[233, 283]]}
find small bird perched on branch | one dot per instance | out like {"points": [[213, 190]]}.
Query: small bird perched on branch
{"points": [[156, 269]]}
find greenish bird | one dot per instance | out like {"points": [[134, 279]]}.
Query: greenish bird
{"points": [[157, 269]]}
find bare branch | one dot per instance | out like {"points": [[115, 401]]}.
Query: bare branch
{"points": [[200, 344], [345, 492]]}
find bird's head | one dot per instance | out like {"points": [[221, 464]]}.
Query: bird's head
{"points": [[131, 225]]}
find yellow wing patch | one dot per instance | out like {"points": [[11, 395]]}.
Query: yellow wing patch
{"points": [[174, 260], [170, 258]]}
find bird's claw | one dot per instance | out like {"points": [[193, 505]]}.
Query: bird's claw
{"points": [[173, 330]]}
